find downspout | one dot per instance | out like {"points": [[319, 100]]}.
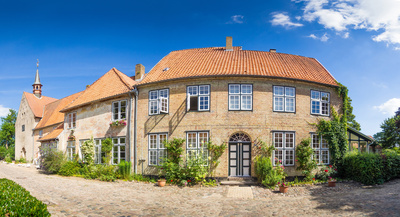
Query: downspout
{"points": [[129, 123], [136, 92]]}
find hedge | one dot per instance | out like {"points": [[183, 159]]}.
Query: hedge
{"points": [[16, 201], [371, 168]]}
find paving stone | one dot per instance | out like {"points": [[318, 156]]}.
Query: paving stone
{"points": [[240, 192]]}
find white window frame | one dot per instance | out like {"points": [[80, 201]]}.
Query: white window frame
{"points": [[284, 97], [201, 95], [98, 158], [316, 98], [40, 134], [284, 149], [71, 120], [116, 154], [319, 148], [159, 150], [71, 150], [239, 96], [197, 148], [161, 102], [118, 105]]}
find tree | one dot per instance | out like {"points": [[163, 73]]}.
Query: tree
{"points": [[7, 129], [390, 135], [351, 118], [398, 121]]}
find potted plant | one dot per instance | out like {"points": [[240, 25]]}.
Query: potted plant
{"points": [[161, 181], [283, 187], [331, 182]]}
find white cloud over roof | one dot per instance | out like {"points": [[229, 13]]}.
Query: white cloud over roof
{"points": [[282, 19], [389, 107]]}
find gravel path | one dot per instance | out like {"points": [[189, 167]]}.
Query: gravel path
{"points": [[72, 196]]}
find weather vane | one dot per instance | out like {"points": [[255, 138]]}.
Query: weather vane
{"points": [[37, 64]]}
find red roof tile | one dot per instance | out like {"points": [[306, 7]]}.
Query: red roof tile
{"points": [[52, 114], [53, 134], [215, 61], [37, 104], [110, 84]]}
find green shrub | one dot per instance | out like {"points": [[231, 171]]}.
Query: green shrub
{"points": [[16, 201], [268, 175], [8, 158], [7, 151], [325, 172], [106, 147], [22, 160], [87, 149], [52, 160], [371, 168], [304, 154], [124, 169], [69, 168], [141, 178]]}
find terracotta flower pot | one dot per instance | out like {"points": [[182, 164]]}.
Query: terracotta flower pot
{"points": [[283, 189], [331, 183], [161, 182]]}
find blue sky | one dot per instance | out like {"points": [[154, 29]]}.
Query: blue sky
{"points": [[76, 42]]}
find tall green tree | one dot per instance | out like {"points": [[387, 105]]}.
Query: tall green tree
{"points": [[7, 129], [390, 135]]}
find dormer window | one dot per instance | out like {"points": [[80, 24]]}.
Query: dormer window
{"points": [[119, 110], [158, 101], [71, 120]]}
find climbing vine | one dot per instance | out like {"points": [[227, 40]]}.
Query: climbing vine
{"points": [[347, 117]]}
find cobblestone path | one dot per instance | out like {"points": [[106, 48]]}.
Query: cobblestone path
{"points": [[71, 196]]}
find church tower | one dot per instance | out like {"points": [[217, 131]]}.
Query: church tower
{"points": [[37, 86]]}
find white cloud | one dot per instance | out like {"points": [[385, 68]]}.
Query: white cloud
{"points": [[389, 107], [236, 19], [323, 38], [372, 15], [281, 19], [3, 111]]}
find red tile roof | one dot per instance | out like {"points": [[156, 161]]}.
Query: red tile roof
{"points": [[52, 114], [110, 84], [37, 104], [53, 134], [215, 61]]}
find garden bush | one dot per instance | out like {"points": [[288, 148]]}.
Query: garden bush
{"points": [[7, 151], [52, 160], [371, 168], [124, 169], [16, 201], [304, 153], [69, 168], [267, 174]]}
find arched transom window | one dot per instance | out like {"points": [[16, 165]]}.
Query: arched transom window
{"points": [[240, 137]]}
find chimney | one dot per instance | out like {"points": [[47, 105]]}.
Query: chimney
{"points": [[272, 50], [229, 46], [139, 72]]}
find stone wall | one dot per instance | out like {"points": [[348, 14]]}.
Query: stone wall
{"points": [[221, 123]]}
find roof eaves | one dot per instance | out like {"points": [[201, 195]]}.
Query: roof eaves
{"points": [[365, 137]]}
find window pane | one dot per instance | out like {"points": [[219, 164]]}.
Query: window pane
{"points": [[289, 91], [325, 156], [315, 107], [246, 102], [122, 140], [204, 102], [162, 154], [191, 141], [324, 144], [192, 90], [204, 90], [315, 141], [290, 104], [289, 157], [325, 96], [162, 138], [115, 110], [289, 142], [191, 154], [115, 155], [278, 140], [123, 110], [153, 107], [278, 91], [278, 103], [234, 102], [325, 108], [73, 120], [153, 95], [234, 89], [163, 93], [153, 157], [115, 141], [203, 138], [315, 95], [153, 141], [278, 155], [247, 89]]}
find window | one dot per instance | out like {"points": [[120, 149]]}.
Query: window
{"points": [[23, 128], [240, 97], [319, 103], [321, 149], [157, 150], [196, 145], [98, 154], [70, 150], [284, 145], [158, 101], [118, 150], [71, 120], [284, 99], [198, 98], [40, 133], [119, 110]]}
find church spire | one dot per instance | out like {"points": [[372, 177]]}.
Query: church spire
{"points": [[37, 86]]}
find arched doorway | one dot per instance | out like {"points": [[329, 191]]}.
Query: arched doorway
{"points": [[239, 155]]}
